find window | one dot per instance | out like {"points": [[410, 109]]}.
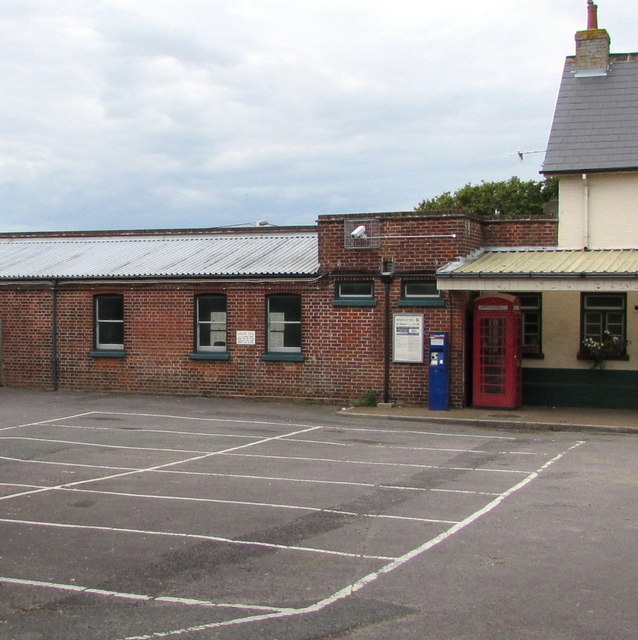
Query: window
{"points": [[420, 289], [420, 293], [211, 323], [354, 294], [531, 322], [604, 319], [109, 322], [284, 324], [355, 290]]}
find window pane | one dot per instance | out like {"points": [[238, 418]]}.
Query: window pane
{"points": [[110, 333], [593, 324], [109, 322], [420, 289], [284, 323], [211, 323], [604, 301], [110, 308], [207, 305], [288, 308], [604, 321], [355, 290]]}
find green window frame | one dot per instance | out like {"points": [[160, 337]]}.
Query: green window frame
{"points": [[354, 293], [420, 293], [531, 323], [604, 316]]}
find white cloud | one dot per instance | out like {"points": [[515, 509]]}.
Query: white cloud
{"points": [[202, 112]]}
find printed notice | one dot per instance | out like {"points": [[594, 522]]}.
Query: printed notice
{"points": [[245, 337], [408, 337]]}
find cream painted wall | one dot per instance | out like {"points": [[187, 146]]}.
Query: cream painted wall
{"points": [[561, 333], [613, 211]]}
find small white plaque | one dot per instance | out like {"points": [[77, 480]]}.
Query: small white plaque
{"points": [[245, 337]]}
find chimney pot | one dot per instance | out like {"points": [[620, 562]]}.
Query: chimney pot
{"points": [[592, 15]]}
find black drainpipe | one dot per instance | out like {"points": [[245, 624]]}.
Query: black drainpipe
{"points": [[386, 278], [54, 334]]}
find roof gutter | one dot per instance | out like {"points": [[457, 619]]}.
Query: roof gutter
{"points": [[529, 275]]}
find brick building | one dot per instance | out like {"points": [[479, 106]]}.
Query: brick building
{"points": [[278, 312], [581, 292]]}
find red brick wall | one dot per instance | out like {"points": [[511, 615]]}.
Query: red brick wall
{"points": [[343, 347], [521, 233], [409, 253], [25, 349]]}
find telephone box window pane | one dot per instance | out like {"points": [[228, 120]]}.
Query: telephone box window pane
{"points": [[492, 356]]}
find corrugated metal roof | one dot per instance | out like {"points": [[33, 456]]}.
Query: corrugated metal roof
{"points": [[546, 262], [595, 126], [183, 256]]}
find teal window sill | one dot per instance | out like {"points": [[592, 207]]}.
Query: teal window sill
{"points": [[108, 353], [210, 355], [353, 302], [283, 357], [424, 302]]}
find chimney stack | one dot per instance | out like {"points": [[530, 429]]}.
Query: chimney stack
{"points": [[592, 46]]}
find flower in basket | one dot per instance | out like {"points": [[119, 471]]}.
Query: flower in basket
{"points": [[599, 350]]}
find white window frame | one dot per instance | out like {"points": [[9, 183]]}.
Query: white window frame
{"points": [[277, 324], [215, 324], [100, 322]]}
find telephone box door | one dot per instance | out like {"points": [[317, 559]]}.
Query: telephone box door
{"points": [[497, 352]]}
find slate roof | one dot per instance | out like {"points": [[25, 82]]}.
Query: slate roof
{"points": [[545, 262], [595, 125], [229, 255]]}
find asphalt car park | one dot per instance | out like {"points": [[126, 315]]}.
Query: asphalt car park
{"points": [[126, 518]]}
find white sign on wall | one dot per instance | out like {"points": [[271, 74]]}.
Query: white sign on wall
{"points": [[245, 337], [407, 343]]}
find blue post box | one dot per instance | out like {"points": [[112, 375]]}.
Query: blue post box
{"points": [[439, 372]]}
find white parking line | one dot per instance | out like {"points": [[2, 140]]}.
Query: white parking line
{"points": [[378, 445], [352, 588], [423, 433], [192, 536], [245, 476], [203, 434], [33, 424], [246, 503], [78, 443], [165, 465], [365, 462], [189, 602], [67, 464]]}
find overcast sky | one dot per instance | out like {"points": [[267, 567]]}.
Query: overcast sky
{"points": [[131, 114]]}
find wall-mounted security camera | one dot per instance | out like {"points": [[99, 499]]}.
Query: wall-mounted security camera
{"points": [[359, 232]]}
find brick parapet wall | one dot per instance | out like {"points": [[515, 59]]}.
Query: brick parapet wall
{"points": [[537, 232]]}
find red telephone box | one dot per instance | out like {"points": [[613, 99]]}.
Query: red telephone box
{"points": [[497, 378]]}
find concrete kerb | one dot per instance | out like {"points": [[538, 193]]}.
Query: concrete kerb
{"points": [[492, 423]]}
